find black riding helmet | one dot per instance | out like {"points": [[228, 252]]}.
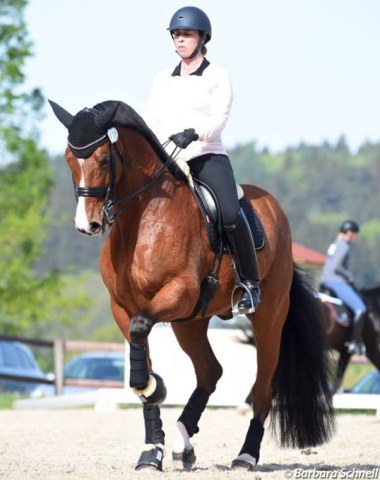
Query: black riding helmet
{"points": [[191, 18], [349, 226]]}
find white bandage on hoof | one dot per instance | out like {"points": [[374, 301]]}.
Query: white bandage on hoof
{"points": [[151, 446], [181, 439], [184, 166], [148, 390], [244, 461]]}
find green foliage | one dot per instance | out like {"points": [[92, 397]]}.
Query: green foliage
{"points": [[371, 233], [19, 110], [354, 373], [64, 246], [6, 400], [319, 187], [27, 299]]}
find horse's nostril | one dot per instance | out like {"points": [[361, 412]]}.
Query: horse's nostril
{"points": [[95, 227]]}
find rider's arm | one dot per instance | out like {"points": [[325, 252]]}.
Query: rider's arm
{"points": [[338, 259]]}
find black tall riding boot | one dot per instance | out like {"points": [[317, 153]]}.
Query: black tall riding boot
{"points": [[240, 238], [356, 344]]}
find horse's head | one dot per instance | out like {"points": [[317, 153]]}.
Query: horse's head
{"points": [[90, 156]]}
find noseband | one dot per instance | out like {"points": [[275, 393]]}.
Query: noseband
{"points": [[108, 193]]}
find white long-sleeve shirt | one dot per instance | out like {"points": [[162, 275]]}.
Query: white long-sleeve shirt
{"points": [[201, 101]]}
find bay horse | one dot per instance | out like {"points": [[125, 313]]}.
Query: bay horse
{"points": [[338, 335], [153, 262]]}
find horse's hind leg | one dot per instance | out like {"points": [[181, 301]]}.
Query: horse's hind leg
{"points": [[267, 329], [193, 341]]}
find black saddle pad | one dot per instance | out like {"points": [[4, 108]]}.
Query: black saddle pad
{"points": [[210, 209], [342, 314], [254, 221]]}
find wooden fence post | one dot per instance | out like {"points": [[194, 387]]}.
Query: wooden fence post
{"points": [[59, 360]]}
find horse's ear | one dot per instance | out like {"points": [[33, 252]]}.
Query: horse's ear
{"points": [[104, 119], [63, 116]]}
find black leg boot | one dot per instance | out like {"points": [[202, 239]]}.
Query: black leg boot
{"points": [[240, 238], [356, 344]]}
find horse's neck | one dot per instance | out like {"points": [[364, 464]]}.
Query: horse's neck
{"points": [[164, 208], [144, 180], [140, 162]]}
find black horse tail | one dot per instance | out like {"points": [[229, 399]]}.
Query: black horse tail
{"points": [[302, 412]]}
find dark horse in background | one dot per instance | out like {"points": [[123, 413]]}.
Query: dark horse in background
{"points": [[154, 260], [338, 333]]}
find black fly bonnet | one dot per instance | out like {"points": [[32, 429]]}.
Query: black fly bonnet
{"points": [[88, 129], [92, 127]]}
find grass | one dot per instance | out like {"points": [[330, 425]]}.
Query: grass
{"points": [[354, 372], [6, 400]]}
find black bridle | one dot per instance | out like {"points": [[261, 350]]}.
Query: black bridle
{"points": [[108, 193]]}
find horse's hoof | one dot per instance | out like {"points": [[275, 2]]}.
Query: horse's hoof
{"points": [[151, 459], [244, 462], [148, 468], [184, 460]]}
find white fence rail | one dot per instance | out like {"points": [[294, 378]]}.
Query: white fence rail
{"points": [[357, 401]]}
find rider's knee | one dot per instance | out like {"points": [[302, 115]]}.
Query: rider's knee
{"points": [[359, 314]]}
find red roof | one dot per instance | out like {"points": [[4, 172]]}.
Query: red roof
{"points": [[306, 255]]}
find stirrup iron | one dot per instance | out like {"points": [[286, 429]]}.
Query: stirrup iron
{"points": [[235, 306]]}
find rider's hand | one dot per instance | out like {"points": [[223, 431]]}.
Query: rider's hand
{"points": [[183, 139], [351, 281]]}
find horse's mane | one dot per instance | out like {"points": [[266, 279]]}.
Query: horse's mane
{"points": [[126, 116]]}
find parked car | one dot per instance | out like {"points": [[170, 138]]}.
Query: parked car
{"points": [[17, 359], [370, 383], [88, 366]]}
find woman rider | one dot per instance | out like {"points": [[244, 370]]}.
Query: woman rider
{"points": [[337, 276], [198, 95]]}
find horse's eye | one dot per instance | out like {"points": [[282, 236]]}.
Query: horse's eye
{"points": [[104, 162]]}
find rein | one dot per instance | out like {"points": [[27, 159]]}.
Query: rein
{"points": [[211, 282], [110, 214]]}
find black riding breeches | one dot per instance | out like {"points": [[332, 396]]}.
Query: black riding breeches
{"points": [[216, 171]]}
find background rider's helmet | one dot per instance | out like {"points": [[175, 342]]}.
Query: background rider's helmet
{"points": [[349, 226], [191, 18]]}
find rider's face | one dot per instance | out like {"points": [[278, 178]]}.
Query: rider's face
{"points": [[351, 236], [185, 41]]}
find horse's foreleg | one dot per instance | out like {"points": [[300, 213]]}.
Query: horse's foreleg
{"points": [[193, 340], [146, 384], [343, 361], [153, 452], [150, 388], [371, 337], [187, 425], [173, 299]]}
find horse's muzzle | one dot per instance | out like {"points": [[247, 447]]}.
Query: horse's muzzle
{"points": [[94, 229]]}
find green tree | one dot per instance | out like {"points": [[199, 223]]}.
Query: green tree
{"points": [[27, 300], [319, 186]]}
